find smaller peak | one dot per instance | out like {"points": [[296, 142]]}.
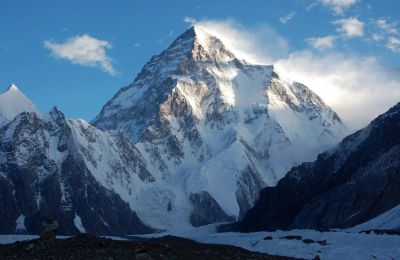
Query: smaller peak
{"points": [[13, 87], [54, 109], [56, 114]]}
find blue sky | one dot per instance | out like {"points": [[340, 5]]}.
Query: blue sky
{"points": [[127, 33]]}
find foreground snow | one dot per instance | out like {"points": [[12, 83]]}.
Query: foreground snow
{"points": [[340, 244], [8, 239]]}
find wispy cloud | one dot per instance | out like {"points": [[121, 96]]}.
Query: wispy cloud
{"points": [[393, 44], [377, 37], [286, 18], [384, 25], [322, 43], [350, 27], [338, 6], [358, 88], [259, 44], [385, 32], [83, 50]]}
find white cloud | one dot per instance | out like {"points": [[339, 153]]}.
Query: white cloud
{"points": [[377, 37], [350, 27], [83, 50], [260, 44], [189, 20], [384, 25], [286, 18], [322, 43], [338, 6], [357, 88], [393, 44]]}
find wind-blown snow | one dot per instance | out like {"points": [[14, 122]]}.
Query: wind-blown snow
{"points": [[12, 103]]}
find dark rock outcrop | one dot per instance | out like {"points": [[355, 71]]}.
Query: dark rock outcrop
{"points": [[90, 247], [206, 210]]}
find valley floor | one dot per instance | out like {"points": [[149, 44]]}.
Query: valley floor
{"points": [[306, 244]]}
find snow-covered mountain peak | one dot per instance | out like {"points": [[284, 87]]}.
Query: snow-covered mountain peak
{"points": [[12, 103], [214, 128], [207, 47], [13, 87]]}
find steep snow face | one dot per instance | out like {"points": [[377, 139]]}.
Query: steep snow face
{"points": [[12, 103], [207, 121]]}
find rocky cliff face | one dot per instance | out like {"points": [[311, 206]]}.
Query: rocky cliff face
{"points": [[68, 170], [208, 123], [348, 185]]}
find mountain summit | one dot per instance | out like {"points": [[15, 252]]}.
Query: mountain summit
{"points": [[214, 130], [12, 103]]}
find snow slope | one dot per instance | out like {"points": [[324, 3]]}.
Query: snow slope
{"points": [[205, 121], [387, 221], [12, 103]]}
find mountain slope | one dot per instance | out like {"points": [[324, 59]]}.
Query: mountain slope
{"points": [[211, 125], [67, 170], [346, 186], [12, 103]]}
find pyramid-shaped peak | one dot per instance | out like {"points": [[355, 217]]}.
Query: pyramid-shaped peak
{"points": [[195, 31], [13, 87], [203, 45], [12, 103]]}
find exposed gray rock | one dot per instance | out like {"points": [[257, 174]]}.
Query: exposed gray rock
{"points": [[49, 229], [206, 210]]}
